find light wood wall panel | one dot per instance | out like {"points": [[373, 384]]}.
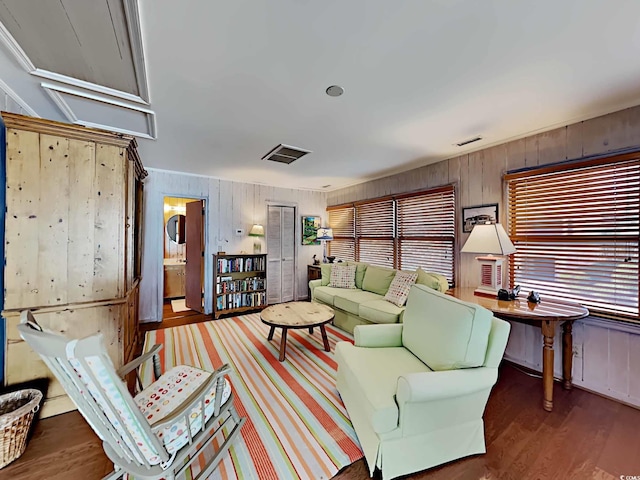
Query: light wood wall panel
{"points": [[229, 206], [605, 355]]}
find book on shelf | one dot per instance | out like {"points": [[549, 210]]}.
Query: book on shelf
{"points": [[241, 264]]}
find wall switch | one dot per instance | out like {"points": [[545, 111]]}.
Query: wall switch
{"points": [[239, 232]]}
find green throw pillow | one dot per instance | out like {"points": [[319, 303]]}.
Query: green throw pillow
{"points": [[378, 279], [325, 270], [361, 268], [432, 280]]}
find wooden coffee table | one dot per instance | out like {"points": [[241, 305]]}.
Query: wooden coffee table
{"points": [[297, 315]]}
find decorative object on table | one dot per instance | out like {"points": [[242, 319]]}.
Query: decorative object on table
{"points": [[491, 239], [310, 226], [325, 234], [330, 258], [504, 294], [534, 297], [316, 261], [479, 215], [256, 231], [16, 414]]}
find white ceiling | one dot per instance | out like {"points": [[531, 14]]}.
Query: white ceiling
{"points": [[230, 80]]}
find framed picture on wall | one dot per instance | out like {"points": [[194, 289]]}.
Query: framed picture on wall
{"points": [[481, 214], [310, 226]]}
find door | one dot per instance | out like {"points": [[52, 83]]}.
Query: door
{"points": [[280, 254], [194, 269]]}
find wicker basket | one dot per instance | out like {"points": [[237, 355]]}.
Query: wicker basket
{"points": [[16, 414]]}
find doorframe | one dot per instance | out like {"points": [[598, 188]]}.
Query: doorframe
{"points": [[207, 263], [276, 203]]}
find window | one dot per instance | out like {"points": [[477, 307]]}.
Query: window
{"points": [[576, 231], [402, 231], [341, 220]]}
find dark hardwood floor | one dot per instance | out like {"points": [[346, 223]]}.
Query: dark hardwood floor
{"points": [[586, 436]]}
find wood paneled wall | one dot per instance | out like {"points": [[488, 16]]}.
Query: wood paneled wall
{"points": [[229, 206], [604, 352]]}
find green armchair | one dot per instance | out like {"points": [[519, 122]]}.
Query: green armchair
{"points": [[416, 391]]}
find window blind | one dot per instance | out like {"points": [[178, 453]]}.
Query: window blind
{"points": [[426, 231], [342, 221], [576, 231], [375, 231]]}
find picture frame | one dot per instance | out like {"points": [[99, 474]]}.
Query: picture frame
{"points": [[471, 216], [310, 226]]}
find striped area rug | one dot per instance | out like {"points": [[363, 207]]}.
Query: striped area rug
{"points": [[297, 426]]}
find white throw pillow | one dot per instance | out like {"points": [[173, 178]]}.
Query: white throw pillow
{"points": [[343, 276], [400, 286]]}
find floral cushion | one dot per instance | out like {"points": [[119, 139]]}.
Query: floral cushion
{"points": [[343, 276], [400, 286], [168, 393]]}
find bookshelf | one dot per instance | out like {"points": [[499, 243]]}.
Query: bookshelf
{"points": [[240, 283]]}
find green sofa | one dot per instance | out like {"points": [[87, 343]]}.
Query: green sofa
{"points": [[416, 392], [365, 305]]}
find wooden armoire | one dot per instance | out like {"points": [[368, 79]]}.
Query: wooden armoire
{"points": [[72, 241]]}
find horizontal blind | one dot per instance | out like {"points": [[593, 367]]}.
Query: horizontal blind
{"points": [[426, 231], [576, 230], [342, 221], [375, 228]]}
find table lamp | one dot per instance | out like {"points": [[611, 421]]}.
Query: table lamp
{"points": [[324, 234], [491, 239], [257, 231]]}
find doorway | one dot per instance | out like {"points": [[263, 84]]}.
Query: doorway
{"points": [[183, 257]]}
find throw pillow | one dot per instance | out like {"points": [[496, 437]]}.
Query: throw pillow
{"points": [[400, 286], [377, 279], [325, 270], [343, 276], [432, 280]]}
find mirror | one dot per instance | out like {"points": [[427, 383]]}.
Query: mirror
{"points": [[175, 228]]}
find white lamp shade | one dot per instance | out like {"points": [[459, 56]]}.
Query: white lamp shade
{"points": [[489, 239], [257, 230], [324, 234]]}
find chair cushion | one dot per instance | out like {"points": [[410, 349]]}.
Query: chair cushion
{"points": [[326, 294], [372, 374], [399, 288], [377, 279], [444, 332], [381, 311], [350, 300], [343, 276], [168, 393]]}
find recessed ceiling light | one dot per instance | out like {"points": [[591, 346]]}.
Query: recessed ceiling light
{"points": [[335, 91]]}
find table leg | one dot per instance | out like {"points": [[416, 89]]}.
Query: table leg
{"points": [[548, 331], [271, 330], [311, 330], [567, 355], [283, 345], [325, 339]]}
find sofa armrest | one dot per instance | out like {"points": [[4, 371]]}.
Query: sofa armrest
{"points": [[378, 336], [429, 386], [313, 284]]}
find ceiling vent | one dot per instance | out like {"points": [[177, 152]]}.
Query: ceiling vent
{"points": [[467, 142], [285, 154]]}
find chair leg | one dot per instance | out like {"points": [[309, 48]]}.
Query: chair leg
{"points": [[115, 475], [213, 463]]}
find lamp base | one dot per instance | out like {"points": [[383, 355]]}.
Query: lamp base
{"points": [[257, 246]]}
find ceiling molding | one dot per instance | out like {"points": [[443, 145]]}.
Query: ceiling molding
{"points": [[7, 39], [132, 14], [16, 98], [94, 87], [55, 91]]}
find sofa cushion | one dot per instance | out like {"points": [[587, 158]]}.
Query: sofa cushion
{"points": [[380, 311], [377, 279], [361, 268], [326, 294], [372, 374], [325, 272], [432, 280], [350, 300], [444, 332], [343, 276], [400, 286]]}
